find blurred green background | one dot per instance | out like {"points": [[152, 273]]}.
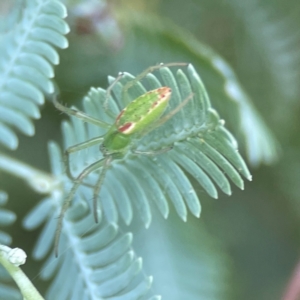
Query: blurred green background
{"points": [[256, 229]]}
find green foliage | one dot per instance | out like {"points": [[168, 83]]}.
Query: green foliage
{"points": [[117, 259], [103, 269], [196, 127], [135, 180], [26, 65], [225, 90]]}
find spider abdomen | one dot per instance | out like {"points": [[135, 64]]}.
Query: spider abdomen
{"points": [[143, 111]]}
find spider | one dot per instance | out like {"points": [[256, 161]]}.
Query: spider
{"points": [[137, 119]]}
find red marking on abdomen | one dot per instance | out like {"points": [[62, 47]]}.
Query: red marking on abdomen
{"points": [[126, 127]]}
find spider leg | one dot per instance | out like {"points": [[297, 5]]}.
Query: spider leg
{"points": [[174, 111], [75, 148], [151, 69], [78, 181], [99, 185], [167, 116], [80, 115], [109, 89], [157, 152], [138, 78]]}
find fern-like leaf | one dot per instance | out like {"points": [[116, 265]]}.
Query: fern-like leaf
{"points": [[98, 258], [202, 147], [226, 93], [27, 56]]}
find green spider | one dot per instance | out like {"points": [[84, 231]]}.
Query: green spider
{"points": [[138, 118]]}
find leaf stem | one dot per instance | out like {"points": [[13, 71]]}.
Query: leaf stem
{"points": [[11, 259], [40, 181]]}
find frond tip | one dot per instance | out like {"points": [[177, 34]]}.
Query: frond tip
{"points": [[27, 56]]}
